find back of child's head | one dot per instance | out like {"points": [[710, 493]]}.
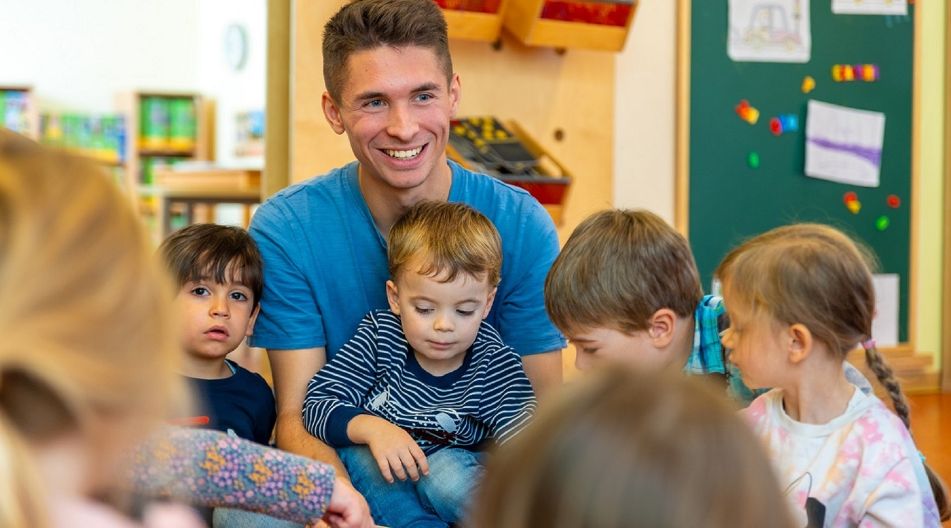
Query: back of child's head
{"points": [[617, 268], [89, 347], [214, 252], [815, 275], [625, 449], [444, 239]]}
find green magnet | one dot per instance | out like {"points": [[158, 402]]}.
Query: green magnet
{"points": [[881, 223], [752, 159]]}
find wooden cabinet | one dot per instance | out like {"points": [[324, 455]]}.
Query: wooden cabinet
{"points": [[479, 20], [594, 25]]}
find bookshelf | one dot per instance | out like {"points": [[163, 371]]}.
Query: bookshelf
{"points": [[18, 110], [164, 129]]}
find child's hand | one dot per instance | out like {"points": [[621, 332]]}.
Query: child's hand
{"points": [[347, 508], [394, 449]]}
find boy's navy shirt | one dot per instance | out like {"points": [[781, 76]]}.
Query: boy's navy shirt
{"points": [[241, 404]]}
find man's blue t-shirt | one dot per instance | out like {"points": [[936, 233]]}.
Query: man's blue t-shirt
{"points": [[325, 262]]}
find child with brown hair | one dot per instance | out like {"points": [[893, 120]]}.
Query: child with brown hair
{"points": [[626, 448], [625, 289], [800, 297], [419, 388], [218, 275]]}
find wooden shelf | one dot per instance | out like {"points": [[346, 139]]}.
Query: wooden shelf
{"points": [[471, 25], [523, 20], [204, 185], [143, 194]]}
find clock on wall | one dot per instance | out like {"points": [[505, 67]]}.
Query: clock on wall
{"points": [[236, 46]]}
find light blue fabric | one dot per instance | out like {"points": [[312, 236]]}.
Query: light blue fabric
{"points": [[435, 501], [325, 262], [229, 518]]}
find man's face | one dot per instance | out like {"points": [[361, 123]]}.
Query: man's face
{"points": [[395, 106]]}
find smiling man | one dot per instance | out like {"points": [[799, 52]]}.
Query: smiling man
{"points": [[392, 90]]}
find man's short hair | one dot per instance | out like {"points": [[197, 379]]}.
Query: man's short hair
{"points": [[210, 251], [617, 269], [449, 238], [368, 24]]}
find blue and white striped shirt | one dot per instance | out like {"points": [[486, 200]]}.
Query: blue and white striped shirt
{"points": [[488, 397]]}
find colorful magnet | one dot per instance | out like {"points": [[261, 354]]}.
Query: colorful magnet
{"points": [[808, 84], [852, 72], [752, 159], [842, 73], [746, 112], [854, 206], [893, 201], [783, 124], [849, 197], [867, 72], [881, 223]]}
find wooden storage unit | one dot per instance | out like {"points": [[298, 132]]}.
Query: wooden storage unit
{"points": [[480, 22], [149, 146], [529, 21], [18, 110], [193, 190], [548, 180]]}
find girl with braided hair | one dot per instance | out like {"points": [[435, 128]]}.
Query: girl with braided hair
{"points": [[800, 297]]}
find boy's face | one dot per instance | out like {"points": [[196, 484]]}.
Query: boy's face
{"points": [[216, 317], [440, 319], [599, 345], [395, 106]]}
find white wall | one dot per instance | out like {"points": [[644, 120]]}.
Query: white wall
{"points": [[234, 91], [645, 102], [77, 55]]}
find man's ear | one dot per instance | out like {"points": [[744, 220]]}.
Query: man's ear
{"points": [[455, 94], [332, 113], [661, 326], [393, 296], [489, 301], [254, 317], [799, 343]]}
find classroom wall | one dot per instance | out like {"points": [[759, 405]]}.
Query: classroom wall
{"points": [[233, 91], [931, 159], [79, 55], [645, 104]]}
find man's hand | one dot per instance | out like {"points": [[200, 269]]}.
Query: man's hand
{"points": [[395, 451]]}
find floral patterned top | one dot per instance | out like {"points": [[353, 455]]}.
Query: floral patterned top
{"points": [[859, 469], [209, 468]]}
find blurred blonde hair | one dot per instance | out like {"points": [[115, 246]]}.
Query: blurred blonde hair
{"points": [[815, 275], [628, 449], [88, 345]]}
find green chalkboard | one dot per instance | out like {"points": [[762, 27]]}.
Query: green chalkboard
{"points": [[729, 200]]}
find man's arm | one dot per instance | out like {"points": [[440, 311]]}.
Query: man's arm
{"points": [[544, 371], [292, 370]]}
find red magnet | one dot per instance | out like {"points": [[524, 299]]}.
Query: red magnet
{"points": [[775, 126], [893, 201], [849, 197]]}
